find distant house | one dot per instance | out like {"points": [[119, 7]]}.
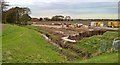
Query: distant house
{"points": [[34, 19]]}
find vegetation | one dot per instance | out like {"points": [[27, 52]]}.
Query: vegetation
{"points": [[4, 5], [17, 15], [38, 29], [47, 19], [98, 43], [105, 58], [25, 44], [57, 18], [21, 44], [68, 18], [60, 18], [99, 47]]}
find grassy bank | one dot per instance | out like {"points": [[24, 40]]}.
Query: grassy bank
{"points": [[21, 44], [105, 58], [98, 43]]}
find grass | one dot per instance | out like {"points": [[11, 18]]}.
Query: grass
{"points": [[105, 58], [21, 45], [95, 43], [51, 36]]}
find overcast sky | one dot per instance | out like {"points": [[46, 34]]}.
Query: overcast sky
{"points": [[75, 8]]}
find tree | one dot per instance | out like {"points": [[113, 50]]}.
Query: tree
{"points": [[18, 15], [23, 15], [3, 7], [67, 18], [47, 19], [57, 18], [10, 17], [24, 19]]}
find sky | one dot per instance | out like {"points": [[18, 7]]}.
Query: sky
{"points": [[77, 9]]}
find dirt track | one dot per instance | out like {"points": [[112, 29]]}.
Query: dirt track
{"points": [[73, 33], [63, 31]]}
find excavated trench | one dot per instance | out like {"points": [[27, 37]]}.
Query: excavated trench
{"points": [[80, 52], [68, 46]]}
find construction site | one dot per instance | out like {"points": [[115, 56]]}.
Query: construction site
{"points": [[65, 34], [74, 30], [59, 31], [77, 30]]}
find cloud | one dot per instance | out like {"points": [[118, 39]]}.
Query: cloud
{"points": [[103, 7], [97, 16], [69, 7], [30, 2]]}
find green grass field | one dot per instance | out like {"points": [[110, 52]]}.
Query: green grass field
{"points": [[24, 45]]}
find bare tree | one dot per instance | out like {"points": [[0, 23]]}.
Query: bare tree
{"points": [[4, 5]]}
